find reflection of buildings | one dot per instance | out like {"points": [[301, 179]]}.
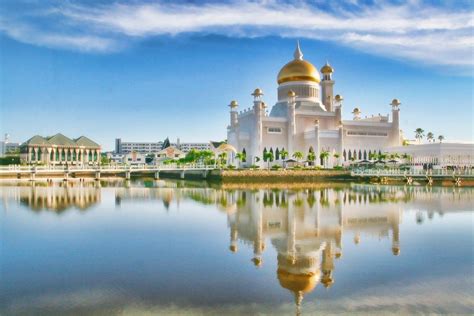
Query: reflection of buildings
{"points": [[56, 197], [306, 228]]}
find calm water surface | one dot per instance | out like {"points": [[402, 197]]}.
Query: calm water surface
{"points": [[174, 248]]}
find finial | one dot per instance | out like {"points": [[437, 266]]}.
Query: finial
{"points": [[298, 53]]}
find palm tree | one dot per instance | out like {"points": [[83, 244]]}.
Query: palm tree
{"points": [[440, 138], [268, 157], [240, 157], [429, 136], [298, 155], [223, 158], [283, 154], [337, 155], [419, 133], [324, 155]]}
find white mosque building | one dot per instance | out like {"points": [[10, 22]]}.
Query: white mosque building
{"points": [[308, 118]]}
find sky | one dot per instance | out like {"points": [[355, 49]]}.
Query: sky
{"points": [[147, 70]]}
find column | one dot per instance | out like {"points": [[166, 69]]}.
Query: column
{"points": [[317, 151]]}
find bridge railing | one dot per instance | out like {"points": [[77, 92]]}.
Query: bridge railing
{"points": [[118, 168], [413, 172]]}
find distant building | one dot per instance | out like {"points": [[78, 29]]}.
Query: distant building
{"points": [[60, 150], [170, 152], [154, 147], [7, 147], [134, 158]]}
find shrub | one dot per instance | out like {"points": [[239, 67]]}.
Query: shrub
{"points": [[276, 167], [231, 166], [338, 168], [297, 168], [254, 167]]}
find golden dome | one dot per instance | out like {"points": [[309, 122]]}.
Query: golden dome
{"points": [[395, 102], [233, 104], [339, 97], [327, 69], [291, 93], [297, 282], [298, 70], [396, 251], [257, 92], [356, 110]]}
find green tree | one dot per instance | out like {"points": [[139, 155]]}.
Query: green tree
{"points": [[268, 157], [419, 134], [298, 155], [440, 138], [324, 156], [430, 137], [104, 160], [311, 157], [240, 157], [283, 154]]}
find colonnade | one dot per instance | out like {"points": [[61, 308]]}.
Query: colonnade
{"points": [[59, 155]]}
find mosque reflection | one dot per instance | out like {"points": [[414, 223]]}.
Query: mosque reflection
{"points": [[306, 228], [304, 225]]}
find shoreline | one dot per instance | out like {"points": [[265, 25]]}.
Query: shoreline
{"points": [[250, 176]]}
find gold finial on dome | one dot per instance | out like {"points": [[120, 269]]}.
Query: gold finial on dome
{"points": [[327, 69], [298, 69], [298, 54]]}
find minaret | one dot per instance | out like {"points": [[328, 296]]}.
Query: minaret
{"points": [[291, 119], [395, 122], [259, 112], [327, 85], [233, 114]]}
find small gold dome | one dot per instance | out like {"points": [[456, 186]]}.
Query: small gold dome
{"points": [[356, 110], [327, 69], [396, 251], [257, 92], [395, 102], [339, 97], [233, 104], [298, 70], [297, 282], [233, 248], [291, 93]]}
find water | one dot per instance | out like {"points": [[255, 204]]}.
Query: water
{"points": [[185, 248]]}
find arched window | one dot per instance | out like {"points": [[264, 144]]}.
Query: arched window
{"points": [[40, 154]]}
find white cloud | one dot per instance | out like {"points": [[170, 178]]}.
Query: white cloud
{"points": [[411, 31]]}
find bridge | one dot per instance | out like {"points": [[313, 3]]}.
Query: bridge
{"points": [[68, 171], [409, 175]]}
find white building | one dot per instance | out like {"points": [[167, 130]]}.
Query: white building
{"points": [[308, 118], [439, 155], [154, 147]]}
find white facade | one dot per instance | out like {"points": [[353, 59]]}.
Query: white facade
{"points": [[154, 147], [307, 117]]}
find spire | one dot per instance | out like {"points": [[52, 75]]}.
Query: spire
{"points": [[298, 53]]}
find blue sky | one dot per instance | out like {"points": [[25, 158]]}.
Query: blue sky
{"points": [[145, 70]]}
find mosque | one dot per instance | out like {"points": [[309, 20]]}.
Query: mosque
{"points": [[308, 118]]}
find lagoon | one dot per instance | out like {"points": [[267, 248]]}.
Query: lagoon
{"points": [[185, 248]]}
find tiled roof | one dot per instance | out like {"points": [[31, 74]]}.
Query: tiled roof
{"points": [[86, 142], [62, 141]]}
